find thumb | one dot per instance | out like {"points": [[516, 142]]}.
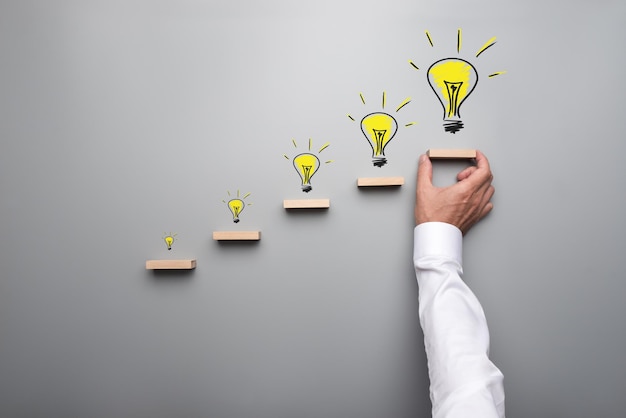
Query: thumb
{"points": [[424, 172]]}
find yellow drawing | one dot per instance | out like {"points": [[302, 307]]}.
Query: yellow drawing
{"points": [[453, 80], [169, 240], [307, 164], [379, 128], [236, 205]]}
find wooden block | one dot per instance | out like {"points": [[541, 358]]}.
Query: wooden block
{"points": [[451, 153], [236, 235], [379, 181], [170, 264], [307, 204]]}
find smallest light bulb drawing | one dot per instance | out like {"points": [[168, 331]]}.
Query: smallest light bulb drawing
{"points": [[169, 240], [306, 165], [379, 128]]}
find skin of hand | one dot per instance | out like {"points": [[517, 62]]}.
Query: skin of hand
{"points": [[462, 204]]}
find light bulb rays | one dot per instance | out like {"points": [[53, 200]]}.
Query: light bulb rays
{"points": [[453, 80], [236, 205], [379, 128], [307, 164]]}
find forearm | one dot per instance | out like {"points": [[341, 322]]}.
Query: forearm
{"points": [[463, 381]]}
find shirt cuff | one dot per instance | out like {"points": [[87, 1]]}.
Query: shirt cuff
{"points": [[438, 239]]}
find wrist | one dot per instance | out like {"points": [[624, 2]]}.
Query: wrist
{"points": [[438, 239]]}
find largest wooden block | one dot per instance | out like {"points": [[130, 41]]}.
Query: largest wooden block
{"points": [[451, 153]]}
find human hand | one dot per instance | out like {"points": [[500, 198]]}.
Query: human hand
{"points": [[462, 204]]}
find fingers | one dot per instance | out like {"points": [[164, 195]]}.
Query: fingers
{"points": [[462, 204], [487, 205], [482, 167], [466, 173], [424, 172], [482, 161], [478, 175]]}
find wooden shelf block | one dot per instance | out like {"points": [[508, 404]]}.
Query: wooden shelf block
{"points": [[236, 235], [170, 264], [306, 204], [451, 153], [379, 181]]}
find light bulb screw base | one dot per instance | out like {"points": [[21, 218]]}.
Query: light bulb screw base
{"points": [[452, 126], [379, 161]]}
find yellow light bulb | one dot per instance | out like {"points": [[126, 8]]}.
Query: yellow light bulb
{"points": [[169, 240], [306, 165], [236, 206], [452, 80], [379, 128]]}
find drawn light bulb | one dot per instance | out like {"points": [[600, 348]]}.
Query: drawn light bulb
{"points": [[306, 165], [452, 80], [379, 128], [236, 206], [169, 240]]}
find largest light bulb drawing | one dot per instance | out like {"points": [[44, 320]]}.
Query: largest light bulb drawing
{"points": [[452, 80], [379, 128], [306, 165]]}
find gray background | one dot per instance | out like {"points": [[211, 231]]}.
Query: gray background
{"points": [[122, 120]]}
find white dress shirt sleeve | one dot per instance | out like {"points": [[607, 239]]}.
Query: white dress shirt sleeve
{"points": [[464, 383]]}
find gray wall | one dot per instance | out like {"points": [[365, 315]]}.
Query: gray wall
{"points": [[122, 120]]}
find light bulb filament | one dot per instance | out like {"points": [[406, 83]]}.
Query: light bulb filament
{"points": [[306, 169], [453, 97], [379, 134]]}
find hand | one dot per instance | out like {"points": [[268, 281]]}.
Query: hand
{"points": [[462, 204]]}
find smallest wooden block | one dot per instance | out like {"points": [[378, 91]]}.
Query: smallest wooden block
{"points": [[170, 264], [236, 235], [306, 204], [451, 153], [379, 181]]}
